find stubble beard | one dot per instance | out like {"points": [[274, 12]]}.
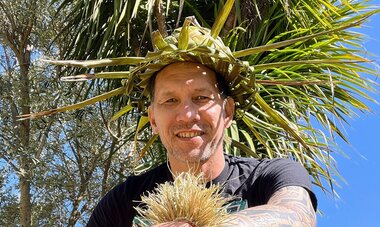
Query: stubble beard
{"points": [[201, 156]]}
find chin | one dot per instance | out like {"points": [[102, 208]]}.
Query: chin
{"points": [[193, 156]]}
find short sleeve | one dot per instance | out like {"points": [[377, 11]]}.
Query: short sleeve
{"points": [[275, 174], [116, 208], [113, 209]]}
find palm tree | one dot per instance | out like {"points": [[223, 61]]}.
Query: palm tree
{"points": [[296, 68]]}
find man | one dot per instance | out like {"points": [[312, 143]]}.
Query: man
{"points": [[189, 111]]}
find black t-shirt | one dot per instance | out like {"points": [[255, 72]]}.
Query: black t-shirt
{"points": [[249, 179]]}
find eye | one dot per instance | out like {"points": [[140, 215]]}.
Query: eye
{"points": [[202, 98], [171, 100]]}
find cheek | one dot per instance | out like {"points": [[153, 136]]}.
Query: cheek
{"points": [[214, 116], [163, 122]]}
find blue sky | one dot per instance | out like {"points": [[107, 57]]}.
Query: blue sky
{"points": [[359, 202]]}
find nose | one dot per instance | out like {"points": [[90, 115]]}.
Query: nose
{"points": [[188, 112]]}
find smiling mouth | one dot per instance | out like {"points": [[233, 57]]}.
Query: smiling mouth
{"points": [[189, 134]]}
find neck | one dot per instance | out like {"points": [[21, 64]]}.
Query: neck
{"points": [[211, 167]]}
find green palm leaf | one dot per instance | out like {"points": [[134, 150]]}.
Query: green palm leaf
{"points": [[295, 67]]}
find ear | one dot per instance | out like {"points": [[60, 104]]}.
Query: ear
{"points": [[152, 120], [229, 109]]}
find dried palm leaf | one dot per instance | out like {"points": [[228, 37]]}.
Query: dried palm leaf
{"points": [[186, 199]]}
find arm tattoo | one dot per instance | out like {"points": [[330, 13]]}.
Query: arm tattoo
{"points": [[289, 206]]}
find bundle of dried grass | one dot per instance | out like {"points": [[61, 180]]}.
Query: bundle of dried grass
{"points": [[186, 199]]}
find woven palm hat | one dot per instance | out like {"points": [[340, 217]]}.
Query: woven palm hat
{"points": [[193, 43]]}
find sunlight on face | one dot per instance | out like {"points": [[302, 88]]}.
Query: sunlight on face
{"points": [[188, 112]]}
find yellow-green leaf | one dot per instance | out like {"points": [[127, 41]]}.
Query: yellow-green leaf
{"points": [[100, 62], [79, 105]]}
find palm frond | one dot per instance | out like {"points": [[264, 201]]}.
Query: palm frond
{"points": [[295, 68]]}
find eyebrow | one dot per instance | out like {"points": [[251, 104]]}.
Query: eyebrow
{"points": [[169, 92], [165, 93], [202, 89]]}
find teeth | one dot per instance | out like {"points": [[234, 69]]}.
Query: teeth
{"points": [[189, 134]]}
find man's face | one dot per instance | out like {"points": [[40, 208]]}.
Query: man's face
{"points": [[189, 113]]}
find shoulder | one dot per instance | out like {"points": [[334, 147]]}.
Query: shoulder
{"points": [[155, 175], [275, 174], [281, 168], [137, 184], [287, 171], [242, 163], [116, 207], [238, 173], [109, 209]]}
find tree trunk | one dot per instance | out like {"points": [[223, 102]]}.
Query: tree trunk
{"points": [[75, 214], [107, 167], [161, 20], [25, 197], [15, 30], [24, 132]]}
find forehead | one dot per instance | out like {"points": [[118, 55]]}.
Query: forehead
{"points": [[184, 74]]}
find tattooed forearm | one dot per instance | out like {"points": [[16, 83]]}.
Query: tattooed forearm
{"points": [[289, 206]]}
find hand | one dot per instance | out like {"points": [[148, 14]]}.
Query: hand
{"points": [[173, 224]]}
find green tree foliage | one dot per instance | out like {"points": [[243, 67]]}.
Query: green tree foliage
{"points": [[52, 170]]}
